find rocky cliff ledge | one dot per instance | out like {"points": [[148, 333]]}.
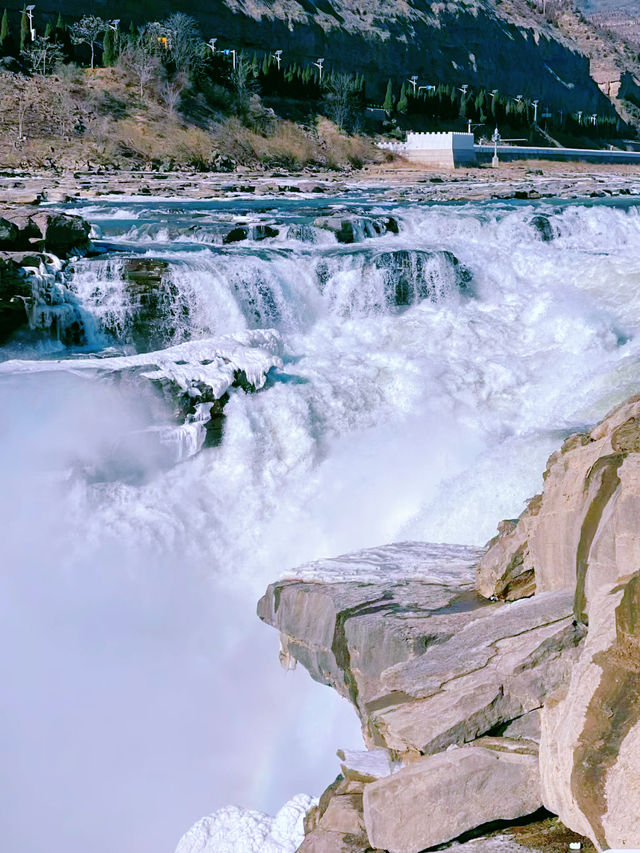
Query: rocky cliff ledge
{"points": [[488, 684]]}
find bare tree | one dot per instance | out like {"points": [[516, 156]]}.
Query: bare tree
{"points": [[42, 55], [28, 97], [172, 92], [88, 31], [142, 64], [184, 41], [341, 100]]}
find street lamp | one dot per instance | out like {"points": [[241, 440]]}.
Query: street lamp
{"points": [[277, 55], [212, 44], [534, 104], [114, 24], [594, 119], [29, 11], [579, 116], [428, 88], [414, 82], [464, 89], [319, 65], [495, 139], [232, 54]]}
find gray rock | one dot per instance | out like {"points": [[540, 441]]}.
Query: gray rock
{"points": [[411, 275], [426, 664], [437, 798]]}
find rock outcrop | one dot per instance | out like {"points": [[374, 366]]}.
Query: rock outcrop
{"points": [[484, 703], [582, 531]]}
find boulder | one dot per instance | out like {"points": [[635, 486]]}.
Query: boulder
{"points": [[437, 798], [63, 233], [582, 532], [8, 233], [249, 232], [590, 745]]}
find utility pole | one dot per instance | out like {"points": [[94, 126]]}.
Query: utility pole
{"points": [[277, 55], [32, 29], [535, 111], [414, 82], [319, 65]]}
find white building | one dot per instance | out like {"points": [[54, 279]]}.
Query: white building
{"points": [[439, 150]]}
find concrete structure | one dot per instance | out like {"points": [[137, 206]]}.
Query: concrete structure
{"points": [[506, 153], [438, 150]]}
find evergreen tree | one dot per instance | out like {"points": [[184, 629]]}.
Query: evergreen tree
{"points": [[60, 26], [25, 30], [108, 48], [266, 64], [4, 29], [403, 101], [388, 98], [48, 30]]}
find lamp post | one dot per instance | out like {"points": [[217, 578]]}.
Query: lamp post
{"points": [[277, 55], [232, 54], [32, 29], [212, 45], [495, 139], [535, 111], [464, 89], [414, 82], [427, 88], [319, 65]]}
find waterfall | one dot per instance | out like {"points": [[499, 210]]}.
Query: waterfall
{"points": [[422, 380]]}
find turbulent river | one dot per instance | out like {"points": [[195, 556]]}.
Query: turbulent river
{"points": [[402, 386]]}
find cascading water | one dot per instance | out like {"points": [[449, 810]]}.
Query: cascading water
{"points": [[425, 378]]}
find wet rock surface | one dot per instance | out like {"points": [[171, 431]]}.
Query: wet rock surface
{"points": [[411, 276]]}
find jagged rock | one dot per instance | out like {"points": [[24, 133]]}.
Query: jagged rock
{"points": [[582, 532], [412, 275], [356, 229], [437, 798], [590, 746], [426, 664], [336, 825]]}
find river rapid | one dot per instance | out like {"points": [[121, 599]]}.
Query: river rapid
{"points": [[405, 386]]}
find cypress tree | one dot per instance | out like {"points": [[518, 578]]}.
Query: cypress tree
{"points": [[4, 28], [108, 48], [266, 65], [48, 30], [403, 101], [25, 31], [388, 98], [60, 27]]}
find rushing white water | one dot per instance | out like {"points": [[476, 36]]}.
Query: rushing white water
{"points": [[144, 692]]}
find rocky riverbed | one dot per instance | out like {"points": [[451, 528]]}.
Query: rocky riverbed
{"points": [[489, 686], [396, 181]]}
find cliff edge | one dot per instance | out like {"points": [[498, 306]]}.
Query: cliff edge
{"points": [[488, 684]]}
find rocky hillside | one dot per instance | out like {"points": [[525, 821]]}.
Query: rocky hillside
{"points": [[505, 44], [487, 701]]}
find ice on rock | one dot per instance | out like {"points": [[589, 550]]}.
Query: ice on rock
{"points": [[235, 830]]}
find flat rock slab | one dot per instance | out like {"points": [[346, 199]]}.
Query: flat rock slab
{"points": [[439, 797], [424, 659]]}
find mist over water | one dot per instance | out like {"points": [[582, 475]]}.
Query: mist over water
{"points": [[141, 691]]}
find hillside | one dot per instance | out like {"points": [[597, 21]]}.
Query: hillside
{"points": [[505, 44]]}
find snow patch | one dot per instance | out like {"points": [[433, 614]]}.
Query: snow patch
{"points": [[235, 830]]}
